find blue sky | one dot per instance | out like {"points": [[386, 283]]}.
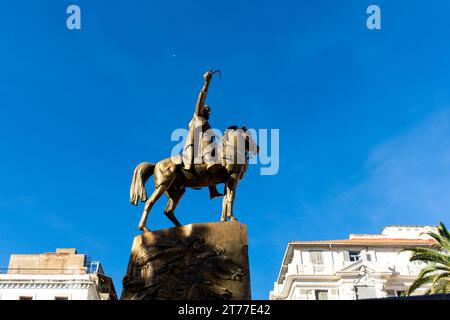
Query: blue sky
{"points": [[364, 118]]}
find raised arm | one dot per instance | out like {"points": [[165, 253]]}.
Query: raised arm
{"points": [[202, 96]]}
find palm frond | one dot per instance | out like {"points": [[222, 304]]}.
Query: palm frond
{"points": [[419, 282], [428, 255], [441, 240], [432, 267], [440, 283], [443, 230], [437, 272]]}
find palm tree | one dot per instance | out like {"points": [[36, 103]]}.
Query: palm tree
{"points": [[437, 271]]}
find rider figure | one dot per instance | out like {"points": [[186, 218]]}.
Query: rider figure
{"points": [[197, 141]]}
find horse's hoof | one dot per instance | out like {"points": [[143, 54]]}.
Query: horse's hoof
{"points": [[233, 219]]}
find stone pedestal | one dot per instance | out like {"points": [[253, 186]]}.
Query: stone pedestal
{"points": [[201, 261]]}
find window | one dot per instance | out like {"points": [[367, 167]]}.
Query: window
{"points": [[321, 294], [25, 298], [354, 255], [316, 257], [61, 298]]}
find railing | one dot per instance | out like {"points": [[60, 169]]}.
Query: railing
{"points": [[406, 270], [313, 269], [94, 267], [34, 271]]}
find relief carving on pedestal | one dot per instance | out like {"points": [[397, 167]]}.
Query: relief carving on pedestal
{"points": [[183, 268]]}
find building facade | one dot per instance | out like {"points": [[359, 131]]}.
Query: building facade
{"points": [[60, 275], [364, 266]]}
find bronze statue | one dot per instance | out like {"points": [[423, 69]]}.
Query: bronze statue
{"points": [[198, 140], [173, 177]]}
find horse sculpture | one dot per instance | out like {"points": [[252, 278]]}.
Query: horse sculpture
{"points": [[171, 178]]}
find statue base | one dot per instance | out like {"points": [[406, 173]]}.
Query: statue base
{"points": [[202, 261]]}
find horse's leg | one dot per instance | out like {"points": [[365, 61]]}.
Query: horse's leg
{"points": [[174, 198], [148, 206], [224, 204], [228, 200], [232, 185], [225, 201]]}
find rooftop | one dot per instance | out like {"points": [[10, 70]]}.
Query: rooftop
{"points": [[62, 261], [391, 235], [368, 241]]}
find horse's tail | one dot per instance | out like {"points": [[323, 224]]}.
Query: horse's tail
{"points": [[141, 174]]}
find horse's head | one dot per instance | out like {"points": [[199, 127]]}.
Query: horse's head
{"points": [[250, 145], [239, 144]]}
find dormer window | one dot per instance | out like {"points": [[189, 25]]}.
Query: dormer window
{"points": [[352, 256]]}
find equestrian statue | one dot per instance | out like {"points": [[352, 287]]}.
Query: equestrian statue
{"points": [[203, 163]]}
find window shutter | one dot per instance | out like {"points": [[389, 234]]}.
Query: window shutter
{"points": [[346, 256], [316, 257]]}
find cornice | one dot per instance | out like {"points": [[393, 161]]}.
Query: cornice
{"points": [[45, 284]]}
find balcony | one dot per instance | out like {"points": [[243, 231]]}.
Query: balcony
{"points": [[299, 269], [408, 270]]}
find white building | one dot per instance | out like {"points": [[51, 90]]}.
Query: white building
{"points": [[361, 267], [60, 275]]}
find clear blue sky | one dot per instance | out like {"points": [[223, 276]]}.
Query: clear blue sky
{"points": [[364, 118]]}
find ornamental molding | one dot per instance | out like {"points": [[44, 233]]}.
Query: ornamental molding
{"points": [[45, 284], [307, 281], [356, 267]]}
